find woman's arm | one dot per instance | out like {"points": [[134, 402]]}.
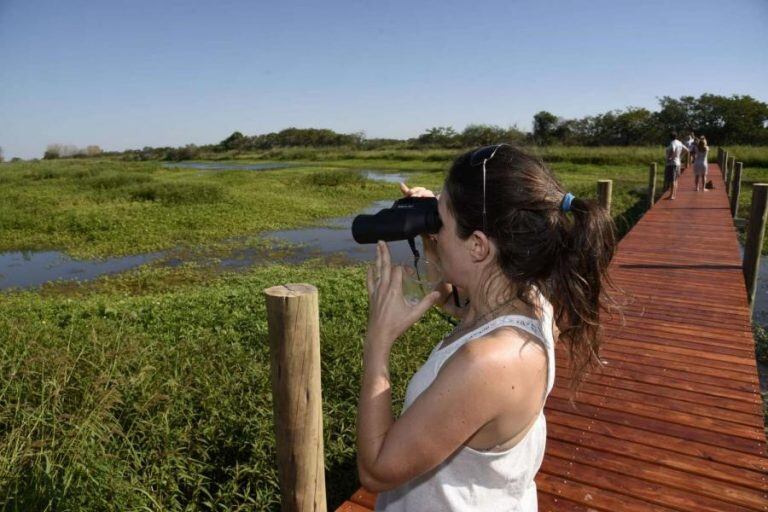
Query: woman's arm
{"points": [[500, 373]]}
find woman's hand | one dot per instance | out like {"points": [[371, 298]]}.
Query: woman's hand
{"points": [[389, 315], [430, 251]]}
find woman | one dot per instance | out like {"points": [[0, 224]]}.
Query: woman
{"points": [[700, 165], [529, 261]]}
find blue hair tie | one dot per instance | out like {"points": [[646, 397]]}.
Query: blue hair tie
{"points": [[567, 200]]}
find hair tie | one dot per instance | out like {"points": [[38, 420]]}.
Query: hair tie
{"points": [[567, 200]]}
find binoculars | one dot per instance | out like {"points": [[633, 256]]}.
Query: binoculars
{"points": [[408, 218], [405, 220]]}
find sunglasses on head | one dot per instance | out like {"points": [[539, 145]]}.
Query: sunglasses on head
{"points": [[482, 156]]}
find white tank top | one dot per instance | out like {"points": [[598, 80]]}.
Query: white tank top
{"points": [[469, 479]]}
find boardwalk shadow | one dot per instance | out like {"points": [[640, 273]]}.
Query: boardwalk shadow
{"points": [[341, 481]]}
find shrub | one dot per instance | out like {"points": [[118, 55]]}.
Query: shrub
{"points": [[335, 178], [113, 180], [761, 343], [177, 193]]}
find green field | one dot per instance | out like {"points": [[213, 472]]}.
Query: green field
{"points": [[150, 390]]}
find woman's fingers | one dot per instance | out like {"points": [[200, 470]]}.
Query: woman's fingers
{"points": [[427, 302], [415, 191], [378, 262], [370, 281], [386, 266]]}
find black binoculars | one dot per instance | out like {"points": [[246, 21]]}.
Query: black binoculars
{"points": [[408, 218]]}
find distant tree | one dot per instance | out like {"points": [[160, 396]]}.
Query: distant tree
{"points": [[52, 151], [93, 150], [443, 136], [15, 159], [188, 152], [234, 141], [544, 124]]}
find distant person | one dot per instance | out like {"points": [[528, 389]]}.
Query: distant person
{"points": [[672, 168], [533, 260], [690, 144], [700, 165]]}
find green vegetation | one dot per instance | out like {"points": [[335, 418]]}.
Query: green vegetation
{"points": [[105, 207], [162, 401], [150, 389]]}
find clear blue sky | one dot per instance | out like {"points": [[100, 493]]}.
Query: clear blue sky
{"points": [[127, 74]]}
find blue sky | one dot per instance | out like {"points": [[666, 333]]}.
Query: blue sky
{"points": [[128, 74]]}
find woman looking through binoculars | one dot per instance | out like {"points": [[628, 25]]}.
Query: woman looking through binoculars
{"points": [[531, 259]]}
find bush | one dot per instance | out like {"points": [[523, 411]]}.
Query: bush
{"points": [[335, 178], [177, 193], [113, 180], [761, 343]]}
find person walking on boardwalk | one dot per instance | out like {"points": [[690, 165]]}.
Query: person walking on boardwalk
{"points": [[700, 165], [690, 144], [672, 168], [531, 261]]}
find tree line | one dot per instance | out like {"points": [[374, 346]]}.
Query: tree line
{"points": [[724, 120]]}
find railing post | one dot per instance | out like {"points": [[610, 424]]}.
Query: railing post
{"points": [[727, 178], [736, 190], [754, 245], [651, 185], [724, 165], [294, 345], [604, 190]]}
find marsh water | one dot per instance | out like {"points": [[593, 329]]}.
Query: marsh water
{"points": [[332, 241]]}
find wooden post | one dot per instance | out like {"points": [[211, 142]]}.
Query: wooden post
{"points": [[728, 174], [736, 190], [724, 165], [720, 157], [294, 346], [604, 188], [754, 245], [651, 185]]}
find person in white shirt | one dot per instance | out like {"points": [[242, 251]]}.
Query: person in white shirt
{"points": [[672, 168], [690, 143]]}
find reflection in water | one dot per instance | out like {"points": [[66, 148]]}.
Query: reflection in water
{"points": [[26, 269]]}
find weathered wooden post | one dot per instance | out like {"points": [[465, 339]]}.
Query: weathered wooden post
{"points": [[651, 185], [720, 158], [724, 165], [294, 345], [604, 189], [736, 189], [754, 245]]}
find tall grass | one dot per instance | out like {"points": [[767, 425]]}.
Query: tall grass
{"points": [[162, 401]]}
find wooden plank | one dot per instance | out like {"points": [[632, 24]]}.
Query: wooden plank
{"points": [[365, 498], [682, 440], [749, 419], [593, 497], [652, 492], [636, 444], [350, 506], [657, 474]]}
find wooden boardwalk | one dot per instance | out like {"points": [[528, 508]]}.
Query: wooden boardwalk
{"points": [[674, 420]]}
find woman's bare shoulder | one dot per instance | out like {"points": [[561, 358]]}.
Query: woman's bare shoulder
{"points": [[503, 349]]}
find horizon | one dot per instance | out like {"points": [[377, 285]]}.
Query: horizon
{"points": [[125, 76]]}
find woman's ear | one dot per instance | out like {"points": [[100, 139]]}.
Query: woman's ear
{"points": [[481, 247]]}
